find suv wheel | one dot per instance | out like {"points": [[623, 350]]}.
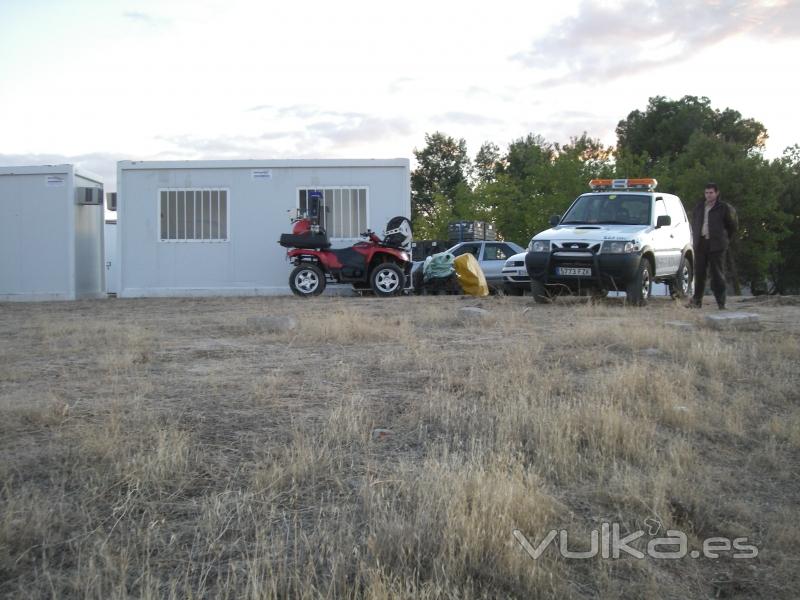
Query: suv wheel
{"points": [[639, 288], [540, 293], [681, 286]]}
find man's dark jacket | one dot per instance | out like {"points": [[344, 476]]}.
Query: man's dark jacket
{"points": [[722, 224]]}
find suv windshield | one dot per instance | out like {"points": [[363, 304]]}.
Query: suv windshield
{"points": [[609, 209]]}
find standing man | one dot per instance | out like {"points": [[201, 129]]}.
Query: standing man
{"points": [[714, 224]]}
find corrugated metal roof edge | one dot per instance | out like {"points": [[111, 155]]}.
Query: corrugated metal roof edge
{"points": [[51, 169], [36, 169], [255, 164]]}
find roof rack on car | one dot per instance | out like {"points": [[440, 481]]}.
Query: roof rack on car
{"points": [[599, 185]]}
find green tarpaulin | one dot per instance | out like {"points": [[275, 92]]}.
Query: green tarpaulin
{"points": [[438, 265]]}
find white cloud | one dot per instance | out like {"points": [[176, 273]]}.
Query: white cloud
{"points": [[466, 118], [145, 18], [604, 42]]}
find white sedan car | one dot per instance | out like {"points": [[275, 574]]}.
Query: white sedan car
{"points": [[516, 280]]}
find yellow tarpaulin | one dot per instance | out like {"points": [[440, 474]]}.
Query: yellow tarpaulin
{"points": [[470, 275]]}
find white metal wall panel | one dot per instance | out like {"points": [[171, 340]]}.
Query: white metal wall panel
{"points": [[89, 270], [36, 244], [111, 263]]}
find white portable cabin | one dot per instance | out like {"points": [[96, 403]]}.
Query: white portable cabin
{"points": [[51, 233], [212, 227]]}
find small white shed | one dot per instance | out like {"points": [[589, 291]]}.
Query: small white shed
{"points": [[212, 227], [51, 233]]}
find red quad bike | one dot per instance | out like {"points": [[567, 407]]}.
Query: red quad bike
{"points": [[384, 266]]}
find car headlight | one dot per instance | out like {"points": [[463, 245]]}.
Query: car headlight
{"points": [[539, 246], [619, 247]]}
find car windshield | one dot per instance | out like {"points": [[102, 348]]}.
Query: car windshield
{"points": [[609, 209]]}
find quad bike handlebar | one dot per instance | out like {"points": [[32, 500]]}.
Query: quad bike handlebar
{"points": [[369, 234]]}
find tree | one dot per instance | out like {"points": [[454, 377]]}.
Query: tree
{"points": [[526, 156], [664, 128], [487, 163], [786, 274], [442, 165]]}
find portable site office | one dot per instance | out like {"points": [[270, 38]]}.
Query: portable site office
{"points": [[51, 233], [191, 228]]}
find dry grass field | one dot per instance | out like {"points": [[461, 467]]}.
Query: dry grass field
{"points": [[165, 449]]}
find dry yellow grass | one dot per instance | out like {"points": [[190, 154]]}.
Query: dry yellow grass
{"points": [[162, 449]]}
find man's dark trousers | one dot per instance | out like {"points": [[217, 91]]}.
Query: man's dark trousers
{"points": [[705, 261]]}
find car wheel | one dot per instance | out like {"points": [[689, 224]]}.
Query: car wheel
{"points": [[540, 293], [307, 280], [386, 279], [640, 287], [681, 287]]}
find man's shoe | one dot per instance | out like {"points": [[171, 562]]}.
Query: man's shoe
{"points": [[722, 307], [693, 304]]}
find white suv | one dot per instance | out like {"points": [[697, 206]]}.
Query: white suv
{"points": [[622, 236]]}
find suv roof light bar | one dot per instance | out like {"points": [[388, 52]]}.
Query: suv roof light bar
{"points": [[646, 184]]}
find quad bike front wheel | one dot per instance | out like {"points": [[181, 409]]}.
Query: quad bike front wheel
{"points": [[307, 280], [386, 279]]}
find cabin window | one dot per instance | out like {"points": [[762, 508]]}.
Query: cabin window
{"points": [[194, 215], [342, 210]]}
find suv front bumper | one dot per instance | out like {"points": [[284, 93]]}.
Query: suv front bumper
{"points": [[608, 271]]}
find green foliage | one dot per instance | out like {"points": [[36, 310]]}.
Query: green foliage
{"points": [[487, 163], [665, 127], [461, 205], [786, 274], [442, 165]]}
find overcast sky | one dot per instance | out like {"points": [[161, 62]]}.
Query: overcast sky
{"points": [[92, 82]]}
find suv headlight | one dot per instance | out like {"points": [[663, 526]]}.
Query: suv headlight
{"points": [[539, 246], [610, 247]]}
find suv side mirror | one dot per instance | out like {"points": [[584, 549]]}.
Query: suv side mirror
{"points": [[663, 221], [555, 220]]}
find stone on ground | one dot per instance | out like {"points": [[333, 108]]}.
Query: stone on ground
{"points": [[734, 320]]}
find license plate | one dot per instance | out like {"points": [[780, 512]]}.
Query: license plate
{"points": [[575, 271]]}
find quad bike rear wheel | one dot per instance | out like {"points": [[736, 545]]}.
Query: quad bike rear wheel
{"points": [[307, 280], [386, 279]]}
